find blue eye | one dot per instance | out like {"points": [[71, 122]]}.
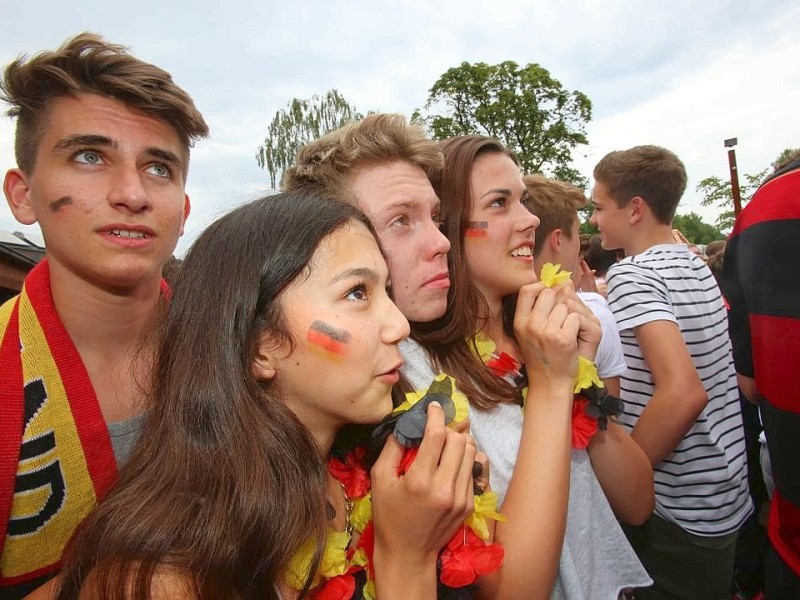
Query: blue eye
{"points": [[87, 157], [160, 170]]}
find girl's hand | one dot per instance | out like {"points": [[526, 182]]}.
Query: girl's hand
{"points": [[547, 332], [416, 514]]}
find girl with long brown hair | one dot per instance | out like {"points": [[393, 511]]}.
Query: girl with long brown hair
{"points": [[280, 331], [561, 537]]}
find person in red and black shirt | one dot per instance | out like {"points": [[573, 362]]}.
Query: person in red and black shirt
{"points": [[762, 284]]}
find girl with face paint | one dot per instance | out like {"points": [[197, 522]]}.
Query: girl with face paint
{"points": [[562, 539], [280, 332]]}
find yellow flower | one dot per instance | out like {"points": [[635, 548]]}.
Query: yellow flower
{"points": [[587, 375], [361, 513], [485, 508], [482, 345], [552, 275], [459, 399], [333, 560]]}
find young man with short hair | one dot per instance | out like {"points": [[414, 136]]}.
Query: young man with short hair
{"points": [[379, 164], [680, 393], [102, 146], [558, 241]]}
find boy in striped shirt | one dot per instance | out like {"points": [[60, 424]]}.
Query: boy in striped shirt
{"points": [[680, 392]]}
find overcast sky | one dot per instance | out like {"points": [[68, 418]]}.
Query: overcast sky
{"points": [[681, 74]]}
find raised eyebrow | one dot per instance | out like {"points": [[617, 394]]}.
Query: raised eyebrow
{"points": [[360, 272], [86, 139]]}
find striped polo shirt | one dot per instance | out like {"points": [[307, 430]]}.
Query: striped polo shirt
{"points": [[702, 485]]}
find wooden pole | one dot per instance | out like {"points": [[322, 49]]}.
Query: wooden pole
{"points": [[737, 197]]}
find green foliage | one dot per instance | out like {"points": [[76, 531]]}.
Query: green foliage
{"points": [[785, 157], [526, 108], [299, 123], [717, 192], [695, 230], [584, 214]]}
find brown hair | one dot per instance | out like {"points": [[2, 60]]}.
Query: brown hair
{"points": [[325, 166], [445, 338], [655, 174], [555, 203], [226, 483], [86, 64]]}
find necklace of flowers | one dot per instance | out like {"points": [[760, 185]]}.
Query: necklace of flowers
{"points": [[346, 567], [592, 405]]}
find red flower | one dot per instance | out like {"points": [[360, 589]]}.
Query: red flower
{"points": [[503, 365], [583, 426], [351, 473], [341, 587], [408, 458], [466, 557]]}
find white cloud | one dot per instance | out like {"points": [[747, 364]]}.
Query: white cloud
{"points": [[682, 74]]}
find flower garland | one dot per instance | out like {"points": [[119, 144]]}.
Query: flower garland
{"points": [[346, 570], [592, 405]]}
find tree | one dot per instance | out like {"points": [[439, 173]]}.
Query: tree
{"points": [[299, 123], [717, 192], [695, 230], [785, 157], [526, 108]]}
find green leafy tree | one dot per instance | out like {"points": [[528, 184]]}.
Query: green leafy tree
{"points": [[718, 193], [785, 157], [526, 108], [696, 230], [299, 123]]}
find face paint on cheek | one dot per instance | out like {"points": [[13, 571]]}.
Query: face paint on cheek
{"points": [[330, 341], [477, 229], [60, 203]]}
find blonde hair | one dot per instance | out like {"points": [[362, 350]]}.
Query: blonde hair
{"points": [[555, 203], [326, 165]]}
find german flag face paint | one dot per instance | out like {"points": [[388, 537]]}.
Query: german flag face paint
{"points": [[330, 341], [477, 229]]}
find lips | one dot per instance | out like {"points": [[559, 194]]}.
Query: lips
{"points": [[440, 280]]}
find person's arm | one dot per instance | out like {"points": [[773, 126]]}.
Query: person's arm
{"points": [[535, 504], [679, 396], [612, 385], [416, 514], [624, 473], [748, 387]]}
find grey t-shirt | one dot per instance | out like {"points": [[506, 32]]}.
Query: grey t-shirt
{"points": [[597, 562], [124, 435]]}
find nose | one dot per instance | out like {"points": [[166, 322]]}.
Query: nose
{"points": [[127, 191], [396, 327], [526, 219], [437, 241], [593, 219]]}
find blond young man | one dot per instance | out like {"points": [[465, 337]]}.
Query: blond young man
{"points": [[557, 241], [102, 146], [379, 164], [680, 393]]}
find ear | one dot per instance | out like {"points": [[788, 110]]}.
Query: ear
{"points": [[18, 196], [187, 208], [637, 209], [267, 355], [555, 240]]}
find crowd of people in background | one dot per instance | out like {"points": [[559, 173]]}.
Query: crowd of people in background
{"points": [[405, 375]]}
